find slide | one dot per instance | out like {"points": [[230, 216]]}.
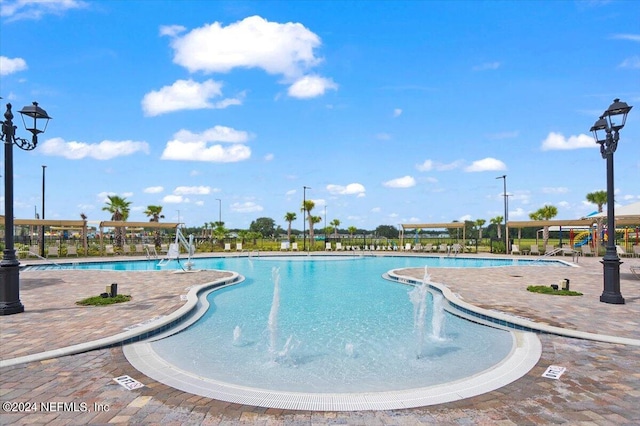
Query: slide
{"points": [[582, 238]]}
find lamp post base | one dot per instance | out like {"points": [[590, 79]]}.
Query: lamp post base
{"points": [[611, 269], [10, 290]]}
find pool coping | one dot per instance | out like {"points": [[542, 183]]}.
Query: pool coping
{"points": [[524, 355], [475, 313]]}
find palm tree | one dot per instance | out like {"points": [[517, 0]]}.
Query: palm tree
{"points": [[544, 213], [155, 213], [289, 217], [497, 221], [119, 209], [219, 232], [307, 206], [598, 198], [313, 220], [351, 230], [335, 223]]}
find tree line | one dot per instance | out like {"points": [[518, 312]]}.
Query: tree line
{"points": [[119, 208]]}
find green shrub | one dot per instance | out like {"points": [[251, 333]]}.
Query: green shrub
{"points": [[545, 289], [102, 301]]}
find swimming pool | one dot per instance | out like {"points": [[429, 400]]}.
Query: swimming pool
{"points": [[336, 331], [339, 327]]}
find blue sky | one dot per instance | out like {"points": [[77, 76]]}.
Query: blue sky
{"points": [[390, 112]]}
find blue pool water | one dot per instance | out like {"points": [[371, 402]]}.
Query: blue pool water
{"points": [[233, 263], [339, 327]]}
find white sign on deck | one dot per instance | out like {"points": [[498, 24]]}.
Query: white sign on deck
{"points": [[128, 382], [554, 372]]}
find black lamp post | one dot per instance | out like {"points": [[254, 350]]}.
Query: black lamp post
{"points": [[605, 131], [506, 214], [10, 267], [42, 227]]}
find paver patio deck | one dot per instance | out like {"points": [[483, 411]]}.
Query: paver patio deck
{"points": [[601, 384]]}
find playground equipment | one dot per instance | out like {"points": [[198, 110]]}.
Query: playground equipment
{"points": [[582, 238]]}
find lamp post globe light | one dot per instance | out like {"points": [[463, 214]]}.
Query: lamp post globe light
{"points": [[606, 133], [9, 266]]}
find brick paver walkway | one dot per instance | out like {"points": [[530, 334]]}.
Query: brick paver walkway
{"points": [[601, 385]]}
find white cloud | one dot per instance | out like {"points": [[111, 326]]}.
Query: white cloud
{"points": [[630, 37], [186, 94], [191, 146], [465, 218], [246, 207], [254, 42], [291, 192], [376, 210], [486, 164], [426, 166], [85, 207], [171, 30], [632, 62], [397, 112], [403, 182], [9, 66], [320, 202], [429, 165], [194, 190], [442, 167], [311, 86], [350, 189], [517, 213], [35, 9], [174, 199], [269, 157], [105, 150], [153, 190], [196, 151], [214, 134], [556, 141], [522, 196], [487, 66]]}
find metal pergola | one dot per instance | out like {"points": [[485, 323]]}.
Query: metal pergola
{"points": [[417, 226]]}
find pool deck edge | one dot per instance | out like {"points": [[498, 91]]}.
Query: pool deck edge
{"points": [[138, 333], [513, 321]]}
